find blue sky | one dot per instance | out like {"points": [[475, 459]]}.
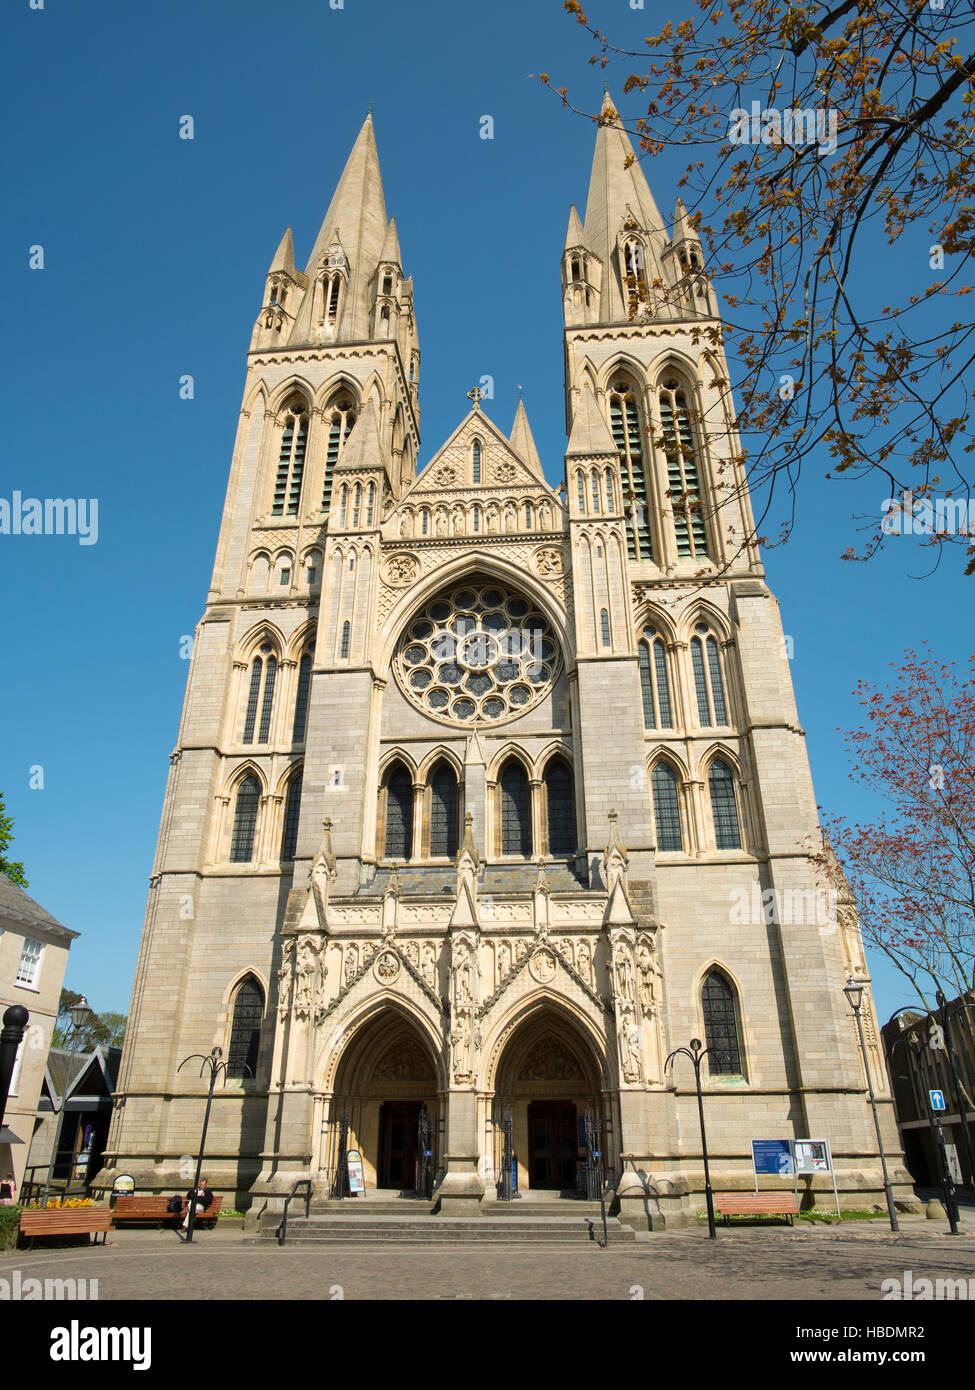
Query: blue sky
{"points": [[155, 254]]}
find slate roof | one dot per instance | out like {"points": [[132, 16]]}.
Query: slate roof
{"points": [[498, 880], [21, 908]]}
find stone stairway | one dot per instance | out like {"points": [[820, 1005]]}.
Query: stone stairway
{"points": [[396, 1222]]}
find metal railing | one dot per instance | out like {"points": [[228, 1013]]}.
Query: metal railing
{"points": [[282, 1231]]}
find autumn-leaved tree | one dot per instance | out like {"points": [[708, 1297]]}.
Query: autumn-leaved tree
{"points": [[912, 871], [13, 869], [818, 135]]}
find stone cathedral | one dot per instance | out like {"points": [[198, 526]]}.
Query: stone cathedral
{"points": [[489, 795]]}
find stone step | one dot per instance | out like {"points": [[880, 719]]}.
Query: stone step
{"points": [[379, 1230]]}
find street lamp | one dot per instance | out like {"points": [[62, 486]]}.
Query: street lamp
{"points": [[854, 994], [80, 1014], [14, 1022], [697, 1055]]}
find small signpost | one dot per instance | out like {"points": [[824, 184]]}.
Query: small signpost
{"points": [[937, 1100], [357, 1178]]}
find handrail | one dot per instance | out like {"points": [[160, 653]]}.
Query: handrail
{"points": [[282, 1231]]}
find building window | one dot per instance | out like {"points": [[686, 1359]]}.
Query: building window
{"points": [[291, 461], [286, 576], [666, 808], [340, 419], [654, 682], [712, 708], [30, 962], [595, 491], [721, 1029], [346, 640], [245, 821], [476, 460], [724, 809], [399, 814], [260, 695], [516, 830], [370, 503], [624, 419], [289, 840], [245, 1032], [528, 516], [560, 803], [610, 490], [477, 519], [604, 626], [301, 699], [683, 472], [582, 492], [443, 813]]}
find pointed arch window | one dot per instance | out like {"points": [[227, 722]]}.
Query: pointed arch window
{"points": [[343, 506], [424, 522], [346, 640], [528, 516], [443, 813], [245, 1031], [712, 708], [245, 821], [332, 298], [721, 1025], [260, 696], [370, 503], [604, 626], [610, 490], [292, 807], [477, 519], [291, 461], [476, 461], [356, 505], [724, 807], [666, 808], [683, 472], [634, 269], [582, 492], [301, 699], [516, 830], [339, 419], [595, 491], [399, 814], [654, 682], [628, 436], [560, 805]]}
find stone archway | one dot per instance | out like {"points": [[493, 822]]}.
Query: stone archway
{"points": [[386, 1073], [548, 1076]]}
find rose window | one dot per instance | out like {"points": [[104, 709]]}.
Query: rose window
{"points": [[477, 654]]}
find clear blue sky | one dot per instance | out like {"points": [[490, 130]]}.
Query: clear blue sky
{"points": [[156, 250]]}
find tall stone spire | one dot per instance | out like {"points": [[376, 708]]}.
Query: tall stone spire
{"points": [[352, 237], [619, 195], [522, 441]]}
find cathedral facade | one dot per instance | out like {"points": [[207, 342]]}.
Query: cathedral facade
{"points": [[488, 796]]}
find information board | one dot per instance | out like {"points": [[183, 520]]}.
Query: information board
{"points": [[812, 1156], [772, 1156], [357, 1178]]}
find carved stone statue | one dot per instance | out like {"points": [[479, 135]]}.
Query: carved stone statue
{"points": [[647, 970], [629, 1042], [584, 961], [284, 978], [351, 964], [429, 967], [624, 974], [504, 960], [461, 1037]]}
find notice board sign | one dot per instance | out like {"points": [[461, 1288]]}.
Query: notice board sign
{"points": [[357, 1178], [773, 1156], [813, 1156]]}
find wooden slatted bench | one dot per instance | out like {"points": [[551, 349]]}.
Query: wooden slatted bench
{"points": [[756, 1204], [70, 1221], [154, 1209]]}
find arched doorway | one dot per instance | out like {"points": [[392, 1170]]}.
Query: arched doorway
{"points": [[385, 1082], [548, 1078]]}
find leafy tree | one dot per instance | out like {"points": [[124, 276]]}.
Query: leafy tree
{"points": [[912, 872], [14, 871], [818, 135], [105, 1030]]}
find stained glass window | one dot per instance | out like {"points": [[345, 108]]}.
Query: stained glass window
{"points": [[721, 1026]]}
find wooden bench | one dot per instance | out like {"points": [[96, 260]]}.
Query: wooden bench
{"points": [[756, 1204], [154, 1209], [70, 1221]]}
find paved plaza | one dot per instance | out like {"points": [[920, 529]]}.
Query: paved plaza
{"points": [[748, 1263]]}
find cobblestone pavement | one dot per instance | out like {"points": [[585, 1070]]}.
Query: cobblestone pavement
{"points": [[746, 1263]]}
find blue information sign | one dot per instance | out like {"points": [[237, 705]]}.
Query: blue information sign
{"points": [[937, 1100], [772, 1156]]}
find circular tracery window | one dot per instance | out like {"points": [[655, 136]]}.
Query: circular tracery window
{"points": [[478, 654]]}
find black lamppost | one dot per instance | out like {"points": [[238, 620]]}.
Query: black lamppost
{"points": [[854, 994], [80, 1014], [697, 1053], [14, 1022], [215, 1065], [966, 1133]]}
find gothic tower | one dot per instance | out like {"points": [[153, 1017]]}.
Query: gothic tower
{"points": [[487, 795]]}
